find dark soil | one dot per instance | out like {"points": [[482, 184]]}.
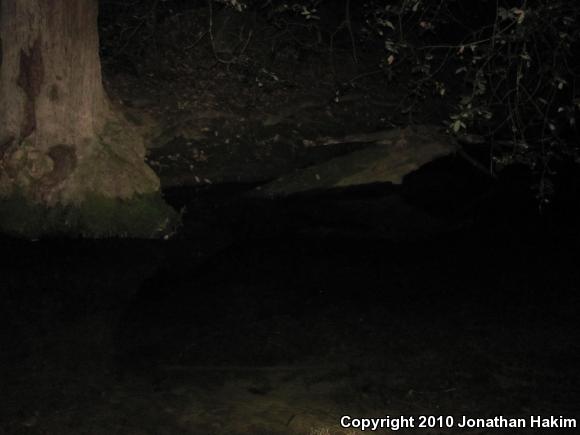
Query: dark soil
{"points": [[272, 317]]}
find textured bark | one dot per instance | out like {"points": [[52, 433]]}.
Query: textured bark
{"points": [[59, 139]]}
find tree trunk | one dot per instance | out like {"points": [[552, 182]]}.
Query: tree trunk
{"points": [[60, 140]]}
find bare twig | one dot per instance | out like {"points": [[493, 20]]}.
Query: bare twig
{"points": [[348, 23]]}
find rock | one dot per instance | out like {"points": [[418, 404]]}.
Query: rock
{"points": [[395, 153]]}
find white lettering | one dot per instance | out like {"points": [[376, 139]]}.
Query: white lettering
{"points": [[552, 422], [373, 424]]}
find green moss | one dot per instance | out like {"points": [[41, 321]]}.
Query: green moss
{"points": [[145, 216]]}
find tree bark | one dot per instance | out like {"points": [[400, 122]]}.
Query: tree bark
{"points": [[60, 140]]}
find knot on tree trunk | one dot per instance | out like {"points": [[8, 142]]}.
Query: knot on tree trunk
{"points": [[39, 172], [64, 159]]}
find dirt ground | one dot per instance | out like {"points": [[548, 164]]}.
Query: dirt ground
{"points": [[285, 335]]}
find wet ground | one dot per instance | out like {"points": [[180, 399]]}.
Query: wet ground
{"points": [[282, 316]]}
